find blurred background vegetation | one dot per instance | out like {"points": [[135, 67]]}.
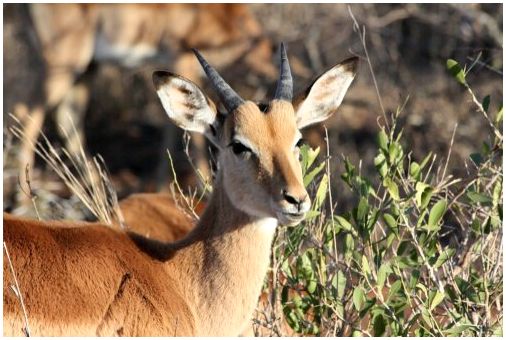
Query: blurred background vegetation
{"points": [[407, 48], [408, 45]]}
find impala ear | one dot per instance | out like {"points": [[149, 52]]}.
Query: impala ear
{"points": [[186, 105], [324, 96]]}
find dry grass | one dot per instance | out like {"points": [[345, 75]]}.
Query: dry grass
{"points": [[86, 178]]}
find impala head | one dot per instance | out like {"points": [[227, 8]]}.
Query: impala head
{"points": [[258, 144]]}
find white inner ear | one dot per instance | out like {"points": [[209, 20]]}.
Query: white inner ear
{"points": [[325, 96], [186, 105]]}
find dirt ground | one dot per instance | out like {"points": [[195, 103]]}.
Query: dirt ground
{"points": [[407, 44]]}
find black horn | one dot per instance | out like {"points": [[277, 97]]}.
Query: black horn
{"points": [[284, 89], [228, 96]]}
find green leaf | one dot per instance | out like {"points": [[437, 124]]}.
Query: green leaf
{"points": [[349, 173], [292, 319], [383, 272], [321, 193], [425, 161], [369, 303], [436, 213], [349, 244], [486, 103], [413, 278], [414, 170], [478, 197], [358, 297], [308, 178], [284, 295], [296, 300], [436, 300], [311, 285], [365, 187], [390, 221], [425, 315], [380, 163], [304, 266], [365, 265], [383, 140], [423, 194], [356, 333], [339, 283], [396, 286], [312, 214], [285, 267], [392, 188], [394, 152], [379, 324], [362, 209], [466, 288], [391, 238], [444, 256], [422, 288], [476, 158], [308, 156], [339, 309], [476, 226], [456, 71], [498, 118], [343, 223], [458, 329]]}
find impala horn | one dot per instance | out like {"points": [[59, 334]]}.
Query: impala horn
{"points": [[284, 89], [230, 99]]}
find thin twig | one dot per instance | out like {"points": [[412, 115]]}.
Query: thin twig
{"points": [[361, 34]]}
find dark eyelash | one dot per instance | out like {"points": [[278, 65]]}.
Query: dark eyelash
{"points": [[239, 148]]}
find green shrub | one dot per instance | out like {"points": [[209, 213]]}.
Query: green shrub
{"points": [[419, 254]]}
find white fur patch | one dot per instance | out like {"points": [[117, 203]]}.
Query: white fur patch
{"points": [[189, 111], [268, 224]]}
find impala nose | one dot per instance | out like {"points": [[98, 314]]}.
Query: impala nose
{"points": [[296, 201]]}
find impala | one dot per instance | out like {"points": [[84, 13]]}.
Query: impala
{"points": [[88, 279]]}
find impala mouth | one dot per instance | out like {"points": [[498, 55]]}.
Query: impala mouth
{"points": [[295, 215], [289, 218]]}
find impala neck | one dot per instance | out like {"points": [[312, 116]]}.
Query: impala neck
{"points": [[224, 262]]}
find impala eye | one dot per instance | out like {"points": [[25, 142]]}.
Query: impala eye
{"points": [[301, 142], [239, 148]]}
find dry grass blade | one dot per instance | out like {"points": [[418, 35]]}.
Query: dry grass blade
{"points": [[85, 178], [189, 204], [29, 192], [17, 292]]}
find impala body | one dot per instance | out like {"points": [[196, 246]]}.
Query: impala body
{"points": [[87, 279]]}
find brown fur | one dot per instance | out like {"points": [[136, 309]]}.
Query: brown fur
{"points": [[77, 279], [157, 216]]}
